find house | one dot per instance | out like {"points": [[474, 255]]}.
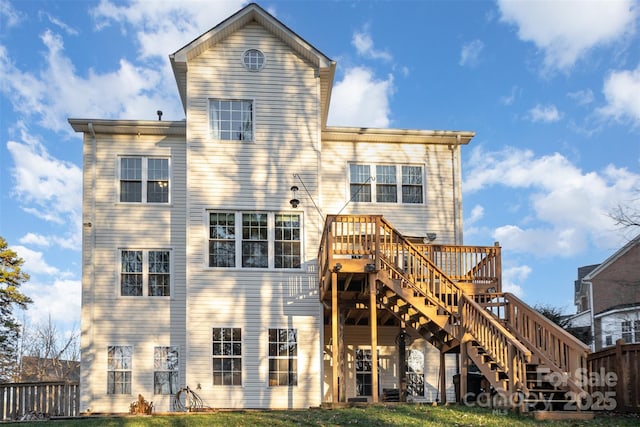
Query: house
{"points": [[265, 259], [607, 297], [40, 369]]}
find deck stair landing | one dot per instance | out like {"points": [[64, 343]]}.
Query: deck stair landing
{"points": [[451, 295]]}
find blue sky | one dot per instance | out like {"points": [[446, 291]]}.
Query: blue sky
{"points": [[552, 90]]}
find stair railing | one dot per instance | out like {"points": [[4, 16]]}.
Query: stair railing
{"points": [[503, 348], [418, 269], [555, 347]]}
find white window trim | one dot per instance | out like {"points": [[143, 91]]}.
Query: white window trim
{"points": [[177, 347], [132, 370], [210, 136], [145, 273], [372, 183], [145, 178], [296, 357], [264, 60], [271, 234], [242, 358]]}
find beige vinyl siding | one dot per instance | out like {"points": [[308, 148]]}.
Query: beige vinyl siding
{"points": [[109, 318], [253, 176], [435, 215]]}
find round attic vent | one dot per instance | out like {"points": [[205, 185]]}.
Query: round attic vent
{"points": [[253, 59]]}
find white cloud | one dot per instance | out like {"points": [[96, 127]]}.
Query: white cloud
{"points": [[162, 27], [567, 30], [542, 113], [34, 262], [476, 214], [58, 92], [35, 239], [582, 97], [512, 278], [8, 15], [566, 207], [55, 21], [361, 100], [622, 92], [363, 43], [470, 53], [513, 95], [45, 186], [59, 297]]}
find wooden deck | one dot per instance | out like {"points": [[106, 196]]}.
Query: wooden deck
{"points": [[451, 295]]}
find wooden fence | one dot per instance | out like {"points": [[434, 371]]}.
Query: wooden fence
{"points": [[39, 400], [623, 360]]}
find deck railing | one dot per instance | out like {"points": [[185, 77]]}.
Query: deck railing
{"points": [[479, 265], [39, 400], [554, 346], [372, 236]]}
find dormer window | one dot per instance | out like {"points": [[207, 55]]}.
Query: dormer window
{"points": [[253, 59]]}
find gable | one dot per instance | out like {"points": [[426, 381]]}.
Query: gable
{"points": [[325, 67]]}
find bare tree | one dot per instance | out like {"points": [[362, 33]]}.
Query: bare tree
{"points": [[625, 216], [48, 355], [555, 315]]}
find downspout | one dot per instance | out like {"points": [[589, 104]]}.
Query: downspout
{"points": [[92, 226], [455, 188], [591, 316]]}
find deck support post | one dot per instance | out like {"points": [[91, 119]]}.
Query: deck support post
{"points": [[402, 363], [335, 348], [373, 322], [464, 363], [443, 378]]}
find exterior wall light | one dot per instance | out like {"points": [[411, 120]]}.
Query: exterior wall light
{"points": [[294, 201]]}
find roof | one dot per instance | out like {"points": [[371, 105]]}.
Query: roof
{"points": [[254, 13], [613, 258], [352, 134], [129, 127]]}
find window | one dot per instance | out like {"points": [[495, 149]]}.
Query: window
{"points": [[255, 243], [222, 234], [231, 119], [253, 60], [287, 241], [608, 340], [415, 373], [411, 184], [626, 331], [283, 357], [227, 356], [386, 188], [380, 183], [144, 180], [631, 331], [138, 267], [165, 366], [119, 369], [360, 183], [255, 240], [363, 372]]}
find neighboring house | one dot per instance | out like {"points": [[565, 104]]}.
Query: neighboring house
{"points": [[38, 369], [213, 256], [607, 297]]}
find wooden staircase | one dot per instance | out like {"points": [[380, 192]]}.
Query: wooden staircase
{"points": [[450, 295]]}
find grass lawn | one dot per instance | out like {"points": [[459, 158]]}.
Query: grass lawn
{"points": [[374, 415]]}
